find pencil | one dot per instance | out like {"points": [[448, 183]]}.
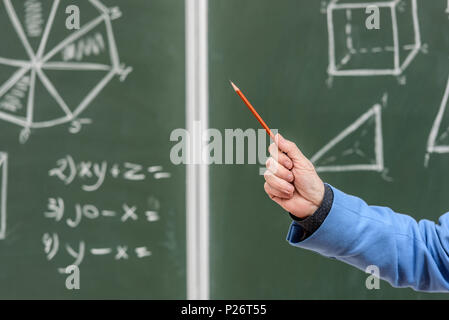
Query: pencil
{"points": [[253, 111]]}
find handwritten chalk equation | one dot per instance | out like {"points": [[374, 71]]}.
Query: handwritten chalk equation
{"points": [[52, 246], [56, 209], [67, 170]]}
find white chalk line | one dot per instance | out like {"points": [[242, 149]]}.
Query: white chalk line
{"points": [[100, 7], [73, 37], [77, 66], [13, 80], [30, 102], [53, 92], [362, 5], [100, 251], [113, 51], [51, 123], [14, 63], [47, 30], [375, 112], [433, 136], [3, 193], [92, 94], [21, 121]]}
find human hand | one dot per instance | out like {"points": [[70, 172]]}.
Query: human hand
{"points": [[291, 179]]}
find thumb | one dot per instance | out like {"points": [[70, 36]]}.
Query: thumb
{"points": [[289, 148]]}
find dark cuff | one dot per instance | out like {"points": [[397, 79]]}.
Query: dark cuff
{"points": [[312, 223]]}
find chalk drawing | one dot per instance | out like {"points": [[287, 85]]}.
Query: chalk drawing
{"points": [[438, 141], [93, 174], [19, 95], [328, 160], [53, 246], [34, 20], [57, 210], [3, 190], [356, 51]]}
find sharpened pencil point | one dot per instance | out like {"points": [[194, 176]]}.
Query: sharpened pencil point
{"points": [[234, 86]]}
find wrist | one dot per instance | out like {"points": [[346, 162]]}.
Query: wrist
{"points": [[311, 223], [316, 198], [319, 194], [304, 213]]}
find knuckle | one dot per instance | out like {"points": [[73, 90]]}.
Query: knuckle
{"points": [[268, 162], [274, 166], [294, 146], [267, 175], [285, 160], [285, 174]]}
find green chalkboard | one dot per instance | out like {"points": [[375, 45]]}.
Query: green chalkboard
{"points": [[85, 122], [279, 53]]}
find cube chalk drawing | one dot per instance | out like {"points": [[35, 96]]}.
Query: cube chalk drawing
{"points": [[355, 50], [3, 188]]}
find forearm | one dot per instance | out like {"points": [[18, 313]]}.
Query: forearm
{"points": [[407, 253]]}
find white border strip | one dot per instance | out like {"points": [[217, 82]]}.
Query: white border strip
{"points": [[197, 184], [3, 191]]}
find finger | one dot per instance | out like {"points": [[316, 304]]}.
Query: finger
{"points": [[279, 184], [279, 170], [289, 148], [275, 193], [279, 156]]}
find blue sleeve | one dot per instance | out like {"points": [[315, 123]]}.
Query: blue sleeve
{"points": [[407, 253]]}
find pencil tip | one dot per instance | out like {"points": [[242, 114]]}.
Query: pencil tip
{"points": [[234, 86]]}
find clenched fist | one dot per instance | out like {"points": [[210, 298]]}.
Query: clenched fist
{"points": [[291, 180]]}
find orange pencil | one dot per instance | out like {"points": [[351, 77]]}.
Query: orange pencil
{"points": [[253, 111]]}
